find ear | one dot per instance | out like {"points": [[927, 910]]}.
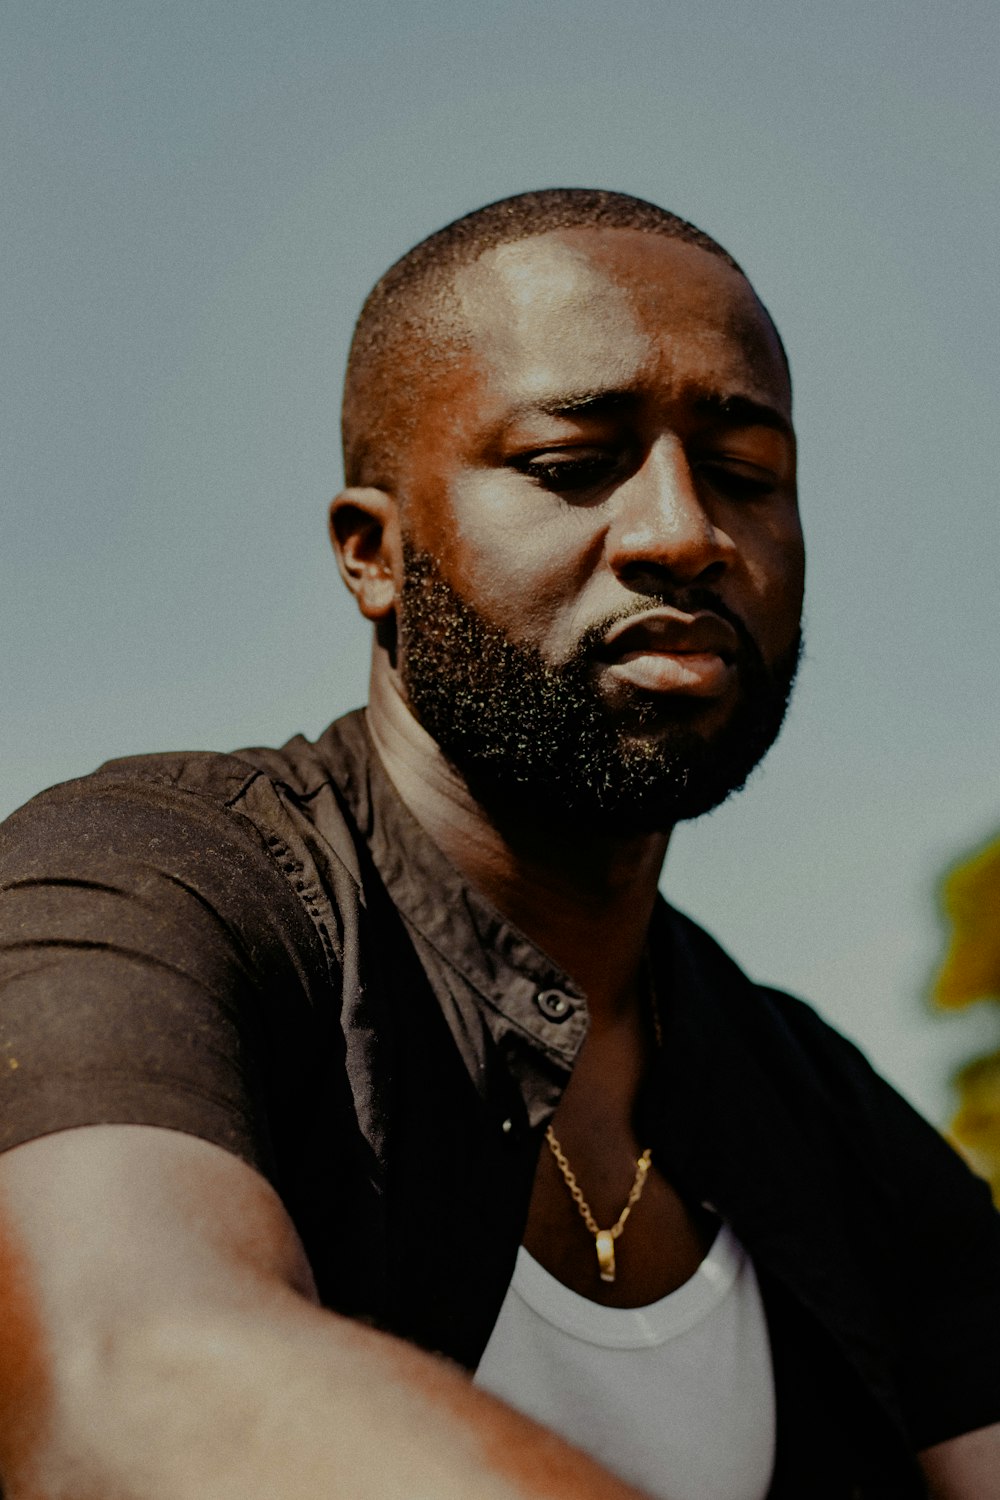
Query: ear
{"points": [[364, 529]]}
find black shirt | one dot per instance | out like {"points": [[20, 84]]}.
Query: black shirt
{"points": [[267, 951]]}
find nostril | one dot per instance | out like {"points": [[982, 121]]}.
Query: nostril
{"points": [[648, 577], [645, 577]]}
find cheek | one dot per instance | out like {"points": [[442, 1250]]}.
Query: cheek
{"points": [[515, 561], [776, 568], [511, 585]]}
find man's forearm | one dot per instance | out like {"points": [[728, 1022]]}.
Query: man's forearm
{"points": [[292, 1403], [966, 1467], [158, 1342]]}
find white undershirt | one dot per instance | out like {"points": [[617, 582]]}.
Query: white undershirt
{"points": [[676, 1397]]}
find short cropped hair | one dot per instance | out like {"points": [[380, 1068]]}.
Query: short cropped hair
{"points": [[402, 329]]}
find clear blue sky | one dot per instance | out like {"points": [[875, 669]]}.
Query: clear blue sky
{"points": [[197, 196]]}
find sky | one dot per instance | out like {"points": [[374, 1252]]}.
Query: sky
{"points": [[198, 195]]}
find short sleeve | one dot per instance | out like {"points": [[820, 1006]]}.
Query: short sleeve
{"points": [[145, 935]]}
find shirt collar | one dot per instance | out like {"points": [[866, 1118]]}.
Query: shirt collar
{"points": [[520, 991]]}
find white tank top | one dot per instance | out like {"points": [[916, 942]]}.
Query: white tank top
{"points": [[676, 1397]]}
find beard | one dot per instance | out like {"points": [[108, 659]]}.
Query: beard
{"points": [[536, 739]]}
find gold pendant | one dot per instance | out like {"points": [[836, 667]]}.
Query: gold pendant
{"points": [[605, 1242]]}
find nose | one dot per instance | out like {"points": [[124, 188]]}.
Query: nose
{"points": [[661, 530]]}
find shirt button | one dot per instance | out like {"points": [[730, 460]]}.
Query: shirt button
{"points": [[507, 1126], [553, 1005]]}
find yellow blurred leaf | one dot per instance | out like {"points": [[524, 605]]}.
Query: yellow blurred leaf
{"points": [[971, 900]]}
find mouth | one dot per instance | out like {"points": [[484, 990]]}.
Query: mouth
{"points": [[668, 651]]}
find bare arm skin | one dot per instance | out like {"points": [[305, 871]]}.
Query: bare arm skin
{"points": [[160, 1340], [965, 1468]]}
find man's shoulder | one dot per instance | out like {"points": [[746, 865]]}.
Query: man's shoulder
{"points": [[767, 1055], [215, 775], [218, 819], [785, 1034], [700, 956], [301, 768]]}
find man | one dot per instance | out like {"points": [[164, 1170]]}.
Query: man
{"points": [[385, 1047]]}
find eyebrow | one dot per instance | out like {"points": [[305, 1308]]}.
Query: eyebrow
{"points": [[730, 411], [743, 411], [577, 404]]}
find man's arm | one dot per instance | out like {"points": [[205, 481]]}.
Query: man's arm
{"points": [[160, 1340], [965, 1468]]}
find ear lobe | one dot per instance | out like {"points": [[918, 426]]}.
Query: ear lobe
{"points": [[364, 530]]}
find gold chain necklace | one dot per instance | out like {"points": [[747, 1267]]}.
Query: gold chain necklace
{"points": [[604, 1239]]}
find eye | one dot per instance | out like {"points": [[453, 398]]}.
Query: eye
{"points": [[567, 475], [739, 481]]}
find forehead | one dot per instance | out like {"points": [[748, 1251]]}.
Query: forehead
{"points": [[598, 309]]}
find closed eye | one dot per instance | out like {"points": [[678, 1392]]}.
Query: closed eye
{"points": [[571, 474], [739, 482]]}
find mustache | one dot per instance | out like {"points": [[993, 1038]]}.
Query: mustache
{"points": [[688, 601]]}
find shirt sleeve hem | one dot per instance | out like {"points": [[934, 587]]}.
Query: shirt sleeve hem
{"points": [[136, 1102]]}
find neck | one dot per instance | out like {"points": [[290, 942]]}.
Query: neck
{"points": [[585, 899]]}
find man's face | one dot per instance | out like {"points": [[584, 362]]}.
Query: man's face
{"points": [[603, 560]]}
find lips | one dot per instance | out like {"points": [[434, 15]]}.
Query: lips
{"points": [[669, 651]]}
